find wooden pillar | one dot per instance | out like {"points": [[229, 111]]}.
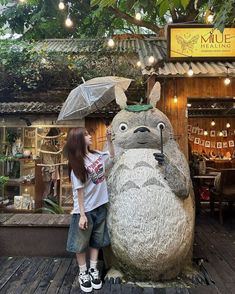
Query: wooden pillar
{"points": [[150, 83]]}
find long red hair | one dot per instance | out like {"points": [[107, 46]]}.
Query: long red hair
{"points": [[76, 152]]}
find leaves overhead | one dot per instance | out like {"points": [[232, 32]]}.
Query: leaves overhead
{"points": [[39, 19]]}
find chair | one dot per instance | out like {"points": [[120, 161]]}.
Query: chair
{"points": [[224, 191]]}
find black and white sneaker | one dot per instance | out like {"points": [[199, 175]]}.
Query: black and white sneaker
{"points": [[85, 282], [95, 278]]}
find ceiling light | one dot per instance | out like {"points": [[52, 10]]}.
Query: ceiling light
{"points": [[227, 125], [212, 122], [175, 99], [138, 63], [190, 71], [220, 133], [205, 132], [227, 81]]}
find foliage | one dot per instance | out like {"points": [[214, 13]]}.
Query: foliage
{"points": [[50, 207], [3, 180], [26, 69], [39, 19]]}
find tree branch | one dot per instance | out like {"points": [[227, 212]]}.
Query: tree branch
{"points": [[130, 19]]}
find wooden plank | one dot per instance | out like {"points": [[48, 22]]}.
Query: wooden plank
{"points": [[69, 277], [38, 275], [48, 276], [204, 290], [57, 281], [9, 270], [115, 289], [4, 217], [19, 280]]}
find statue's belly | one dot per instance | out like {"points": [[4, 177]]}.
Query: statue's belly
{"points": [[150, 227]]}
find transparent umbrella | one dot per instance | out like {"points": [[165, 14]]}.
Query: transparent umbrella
{"points": [[92, 95]]}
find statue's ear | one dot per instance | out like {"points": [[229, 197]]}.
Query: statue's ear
{"points": [[121, 98], [155, 94]]}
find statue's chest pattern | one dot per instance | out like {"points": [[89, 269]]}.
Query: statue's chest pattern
{"points": [[137, 169]]}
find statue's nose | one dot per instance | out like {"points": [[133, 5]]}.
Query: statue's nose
{"points": [[142, 129]]}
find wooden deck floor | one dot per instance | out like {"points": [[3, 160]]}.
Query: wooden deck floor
{"points": [[215, 244]]}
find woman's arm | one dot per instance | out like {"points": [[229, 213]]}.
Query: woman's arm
{"points": [[83, 222], [110, 143]]}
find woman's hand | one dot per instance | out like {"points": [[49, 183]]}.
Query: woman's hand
{"points": [[83, 222]]}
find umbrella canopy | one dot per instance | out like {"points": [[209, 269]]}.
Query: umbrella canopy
{"points": [[92, 95]]}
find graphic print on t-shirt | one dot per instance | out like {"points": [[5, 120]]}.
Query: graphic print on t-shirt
{"points": [[96, 171]]}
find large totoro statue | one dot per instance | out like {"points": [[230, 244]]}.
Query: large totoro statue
{"points": [[151, 213]]}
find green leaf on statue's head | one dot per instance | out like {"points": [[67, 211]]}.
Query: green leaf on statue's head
{"points": [[138, 108]]}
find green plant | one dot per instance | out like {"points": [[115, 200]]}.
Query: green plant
{"points": [[51, 207], [3, 181]]}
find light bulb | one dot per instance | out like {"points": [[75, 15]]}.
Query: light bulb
{"points": [[111, 42], [220, 133], [22, 1], [138, 16], [61, 5], [228, 125], [190, 71], [212, 122], [210, 18], [227, 81], [175, 99], [189, 104], [68, 22], [205, 132], [138, 63], [151, 59]]}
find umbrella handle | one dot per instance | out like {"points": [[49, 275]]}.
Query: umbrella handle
{"points": [[83, 80], [161, 128]]}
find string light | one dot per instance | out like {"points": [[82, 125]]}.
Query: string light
{"points": [[111, 42], [61, 5], [227, 125], [227, 80], [138, 16], [189, 104], [175, 99], [138, 63], [68, 22], [151, 59], [210, 18], [190, 71], [220, 133], [205, 132], [213, 123]]}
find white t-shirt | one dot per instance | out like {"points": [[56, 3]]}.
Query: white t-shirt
{"points": [[95, 188]]}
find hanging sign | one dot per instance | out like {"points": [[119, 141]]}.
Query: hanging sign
{"points": [[200, 42]]}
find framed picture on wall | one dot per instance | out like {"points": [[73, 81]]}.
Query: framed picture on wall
{"points": [[191, 138], [194, 130], [231, 143], [196, 141], [200, 131], [212, 133], [208, 144], [202, 142], [213, 144], [225, 133], [219, 145], [225, 144]]}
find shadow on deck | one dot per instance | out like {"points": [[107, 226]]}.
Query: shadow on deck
{"points": [[214, 247]]}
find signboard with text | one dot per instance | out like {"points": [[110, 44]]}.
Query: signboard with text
{"points": [[200, 42]]}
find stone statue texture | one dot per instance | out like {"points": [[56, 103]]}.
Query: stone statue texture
{"points": [[151, 210]]}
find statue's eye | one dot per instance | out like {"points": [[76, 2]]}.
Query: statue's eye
{"points": [[161, 125], [123, 127]]}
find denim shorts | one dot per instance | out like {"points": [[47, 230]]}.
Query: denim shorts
{"points": [[95, 236]]}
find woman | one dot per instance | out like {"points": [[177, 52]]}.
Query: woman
{"points": [[88, 230]]}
